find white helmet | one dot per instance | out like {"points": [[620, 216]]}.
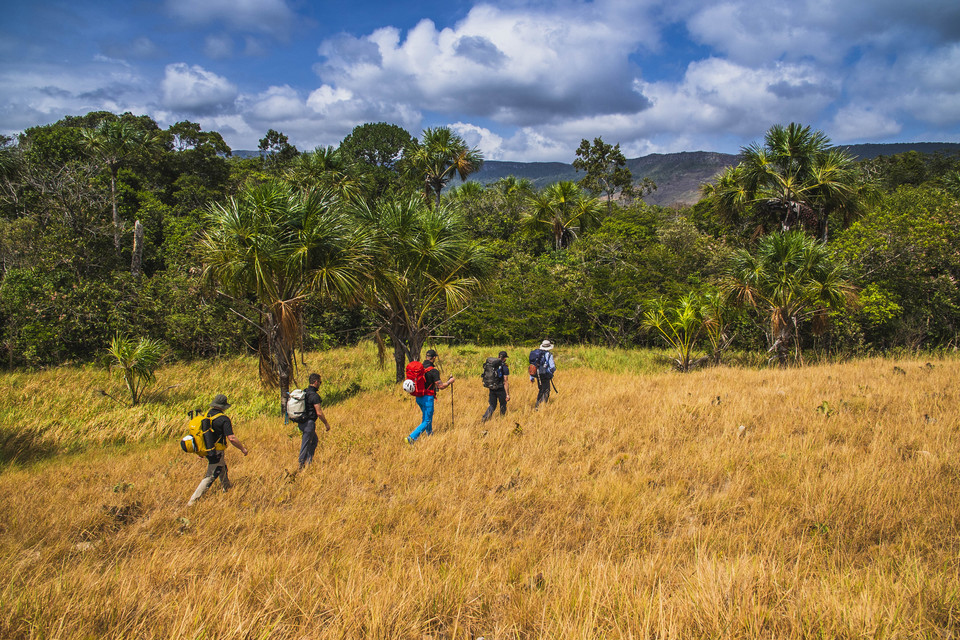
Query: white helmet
{"points": [[409, 386]]}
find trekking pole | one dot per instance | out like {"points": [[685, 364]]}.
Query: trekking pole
{"points": [[554, 386], [451, 408]]}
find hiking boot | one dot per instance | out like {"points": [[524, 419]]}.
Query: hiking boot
{"points": [[408, 440]]}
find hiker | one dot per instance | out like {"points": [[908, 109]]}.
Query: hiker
{"points": [[432, 384], [496, 377], [308, 441], [542, 368], [223, 432]]}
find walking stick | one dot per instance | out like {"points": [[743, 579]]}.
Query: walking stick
{"points": [[451, 408]]}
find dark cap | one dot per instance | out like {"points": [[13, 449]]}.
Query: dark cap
{"points": [[503, 354], [220, 402], [431, 353]]}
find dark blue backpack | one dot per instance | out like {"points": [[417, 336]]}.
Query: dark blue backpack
{"points": [[538, 362]]}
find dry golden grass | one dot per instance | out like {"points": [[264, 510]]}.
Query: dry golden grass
{"points": [[632, 506]]}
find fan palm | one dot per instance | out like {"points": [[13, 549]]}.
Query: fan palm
{"points": [[275, 247], [790, 278], [426, 268], [794, 179], [564, 210], [324, 168], [439, 157]]}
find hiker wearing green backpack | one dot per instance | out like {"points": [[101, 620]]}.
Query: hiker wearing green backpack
{"points": [[222, 432], [496, 378]]}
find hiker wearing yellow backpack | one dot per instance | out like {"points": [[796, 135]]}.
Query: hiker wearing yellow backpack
{"points": [[217, 431]]}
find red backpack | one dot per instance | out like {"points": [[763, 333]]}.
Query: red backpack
{"points": [[417, 373]]}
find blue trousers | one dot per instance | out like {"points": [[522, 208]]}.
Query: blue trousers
{"points": [[426, 406], [308, 442]]}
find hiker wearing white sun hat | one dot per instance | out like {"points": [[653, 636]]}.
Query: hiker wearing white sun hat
{"points": [[542, 368]]}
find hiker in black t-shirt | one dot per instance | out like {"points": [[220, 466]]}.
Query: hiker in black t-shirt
{"points": [[308, 442], [216, 464], [499, 392]]}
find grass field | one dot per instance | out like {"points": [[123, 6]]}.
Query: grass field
{"points": [[819, 502]]}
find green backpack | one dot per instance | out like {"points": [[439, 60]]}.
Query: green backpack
{"points": [[200, 438]]}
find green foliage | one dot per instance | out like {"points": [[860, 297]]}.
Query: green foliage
{"points": [[904, 254], [561, 211], [378, 152], [440, 156], [789, 279], [795, 179], [136, 363], [679, 323], [425, 268], [606, 169], [271, 247]]}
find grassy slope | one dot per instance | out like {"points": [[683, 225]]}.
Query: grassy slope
{"points": [[635, 507]]}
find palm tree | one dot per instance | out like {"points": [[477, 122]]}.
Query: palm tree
{"points": [[136, 363], [791, 278], [426, 268], [679, 324], [441, 155], [324, 168], [114, 142], [563, 209], [794, 179], [275, 247]]}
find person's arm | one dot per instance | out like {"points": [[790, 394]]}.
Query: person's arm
{"points": [[235, 441], [506, 385], [443, 385], [322, 418]]}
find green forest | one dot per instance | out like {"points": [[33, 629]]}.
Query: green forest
{"points": [[117, 233]]}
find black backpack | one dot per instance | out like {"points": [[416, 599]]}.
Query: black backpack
{"points": [[491, 373]]}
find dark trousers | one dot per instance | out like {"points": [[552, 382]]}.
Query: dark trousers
{"points": [[496, 395], [308, 442], [543, 388]]}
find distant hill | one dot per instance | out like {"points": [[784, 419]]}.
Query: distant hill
{"points": [[678, 175]]}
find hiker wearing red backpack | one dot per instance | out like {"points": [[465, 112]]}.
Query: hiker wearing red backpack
{"points": [[426, 394]]}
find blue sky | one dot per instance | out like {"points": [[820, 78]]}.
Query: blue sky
{"points": [[522, 80]]}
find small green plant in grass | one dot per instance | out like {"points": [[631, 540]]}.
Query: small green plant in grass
{"points": [[136, 363]]}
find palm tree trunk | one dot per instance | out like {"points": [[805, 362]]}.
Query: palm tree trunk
{"points": [[116, 215], [137, 258]]}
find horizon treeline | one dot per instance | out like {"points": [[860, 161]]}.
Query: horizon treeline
{"points": [[104, 220]]}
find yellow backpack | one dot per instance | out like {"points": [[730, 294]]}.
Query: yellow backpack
{"points": [[200, 438]]}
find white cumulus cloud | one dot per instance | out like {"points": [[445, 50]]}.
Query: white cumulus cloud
{"points": [[194, 90]]}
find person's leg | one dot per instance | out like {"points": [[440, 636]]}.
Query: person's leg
{"points": [[546, 388], [492, 400], [542, 383], [426, 406], [308, 442], [224, 479], [208, 478], [502, 396]]}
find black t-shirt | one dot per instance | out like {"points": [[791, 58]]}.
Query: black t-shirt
{"points": [[222, 427], [312, 398], [431, 377], [503, 370]]}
